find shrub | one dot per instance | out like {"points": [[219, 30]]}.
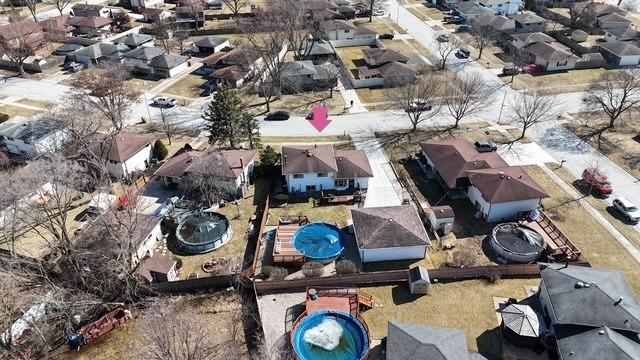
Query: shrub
{"points": [[159, 150], [268, 156], [278, 273], [461, 259], [4, 117], [178, 263], [266, 271], [346, 267], [312, 269]]}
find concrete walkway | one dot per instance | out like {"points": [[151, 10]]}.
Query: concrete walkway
{"points": [[384, 186], [349, 94]]}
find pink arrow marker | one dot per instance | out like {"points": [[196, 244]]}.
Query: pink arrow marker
{"points": [[320, 120]]}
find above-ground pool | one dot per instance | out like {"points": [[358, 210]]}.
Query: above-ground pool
{"points": [[516, 243], [319, 241], [353, 343], [200, 232]]}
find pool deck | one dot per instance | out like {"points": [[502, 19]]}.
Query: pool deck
{"points": [[283, 250]]}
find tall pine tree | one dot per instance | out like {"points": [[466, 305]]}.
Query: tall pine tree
{"points": [[224, 117], [251, 130]]}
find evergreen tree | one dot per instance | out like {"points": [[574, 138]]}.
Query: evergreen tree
{"points": [[251, 129], [268, 156], [159, 150], [224, 118]]}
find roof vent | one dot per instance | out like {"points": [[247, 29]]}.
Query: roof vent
{"points": [[520, 176], [508, 177], [619, 301], [587, 285], [579, 285], [308, 153], [601, 332], [390, 220]]}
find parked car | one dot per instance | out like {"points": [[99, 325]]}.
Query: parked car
{"points": [[309, 116], [532, 68], [164, 101], [510, 71], [485, 146], [463, 28], [463, 53], [593, 180], [378, 12], [453, 20], [74, 66], [209, 89], [214, 5], [628, 209], [386, 36], [277, 115], [204, 71], [419, 105], [443, 38]]}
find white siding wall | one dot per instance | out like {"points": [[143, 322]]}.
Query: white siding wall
{"points": [[135, 63], [321, 183], [392, 254], [178, 69], [499, 211], [134, 163], [629, 60], [553, 66], [149, 242]]}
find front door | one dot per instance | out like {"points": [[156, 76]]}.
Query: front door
{"points": [[351, 183]]}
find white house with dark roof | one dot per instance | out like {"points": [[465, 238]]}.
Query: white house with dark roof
{"points": [[389, 233], [210, 44], [135, 40], [620, 53], [502, 7], [138, 60], [169, 65], [590, 312], [126, 153], [24, 136], [336, 30], [320, 167], [528, 23]]}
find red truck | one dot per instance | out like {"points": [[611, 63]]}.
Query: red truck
{"points": [[593, 180]]}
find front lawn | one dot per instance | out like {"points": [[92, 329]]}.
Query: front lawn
{"points": [[190, 86]]}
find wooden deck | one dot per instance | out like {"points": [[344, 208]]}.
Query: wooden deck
{"points": [[283, 250], [556, 243]]}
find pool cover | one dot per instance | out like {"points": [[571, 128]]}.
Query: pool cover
{"points": [[319, 241], [353, 344]]}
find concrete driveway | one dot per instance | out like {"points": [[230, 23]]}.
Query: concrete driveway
{"points": [[384, 188]]}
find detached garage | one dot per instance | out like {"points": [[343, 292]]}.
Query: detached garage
{"points": [[168, 65], [389, 233], [620, 53]]}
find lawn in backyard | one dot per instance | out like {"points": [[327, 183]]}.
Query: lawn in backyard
{"points": [[383, 25], [464, 305], [352, 56], [401, 47], [598, 246], [190, 86], [336, 214], [620, 144]]}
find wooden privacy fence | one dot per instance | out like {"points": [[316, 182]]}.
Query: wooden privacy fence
{"points": [[250, 271], [486, 272], [340, 280]]}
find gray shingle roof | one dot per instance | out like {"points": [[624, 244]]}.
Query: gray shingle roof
{"points": [[420, 342], [97, 51], [620, 48], [144, 53], [167, 61], [308, 159], [321, 48], [471, 8], [211, 41], [388, 227], [133, 39], [298, 68], [595, 305], [587, 343], [526, 18]]}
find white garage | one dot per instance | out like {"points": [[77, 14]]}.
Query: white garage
{"points": [[389, 233]]}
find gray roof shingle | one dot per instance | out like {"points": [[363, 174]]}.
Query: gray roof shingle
{"points": [[587, 343], [388, 227], [420, 342], [167, 61]]}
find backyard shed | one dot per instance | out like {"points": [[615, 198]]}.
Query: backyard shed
{"points": [[419, 282], [389, 233], [441, 218], [521, 325], [579, 35]]}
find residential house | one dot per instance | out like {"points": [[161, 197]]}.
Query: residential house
{"points": [[234, 166], [153, 14], [346, 11], [190, 15], [146, 4], [345, 30], [320, 51], [613, 21], [305, 75], [26, 136], [502, 7], [592, 313], [210, 44], [421, 342], [389, 233], [135, 40], [500, 193], [169, 65], [469, 10], [231, 76], [552, 56], [320, 167], [625, 34], [113, 230], [138, 60], [497, 190], [126, 153], [234, 67], [66, 49], [528, 23], [91, 26], [22, 33], [387, 64], [521, 40], [99, 54], [90, 10], [620, 53], [498, 23], [377, 56], [158, 268], [57, 25]]}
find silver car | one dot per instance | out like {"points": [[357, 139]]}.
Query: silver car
{"points": [[628, 209]]}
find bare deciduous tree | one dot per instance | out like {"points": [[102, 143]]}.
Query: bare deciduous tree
{"points": [[445, 49], [583, 13], [483, 33], [329, 73], [20, 40], [532, 107], [61, 5], [373, 5], [168, 125], [106, 90], [613, 94], [208, 188], [235, 6], [628, 5], [32, 5], [466, 95], [418, 99]]}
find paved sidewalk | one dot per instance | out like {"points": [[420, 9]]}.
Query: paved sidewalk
{"points": [[349, 94], [381, 191]]}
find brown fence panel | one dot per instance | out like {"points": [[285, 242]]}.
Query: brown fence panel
{"points": [[340, 280], [250, 271]]}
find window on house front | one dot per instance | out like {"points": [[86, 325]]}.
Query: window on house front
{"points": [[561, 63], [322, 174], [346, 31], [341, 183], [298, 176], [311, 188]]}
